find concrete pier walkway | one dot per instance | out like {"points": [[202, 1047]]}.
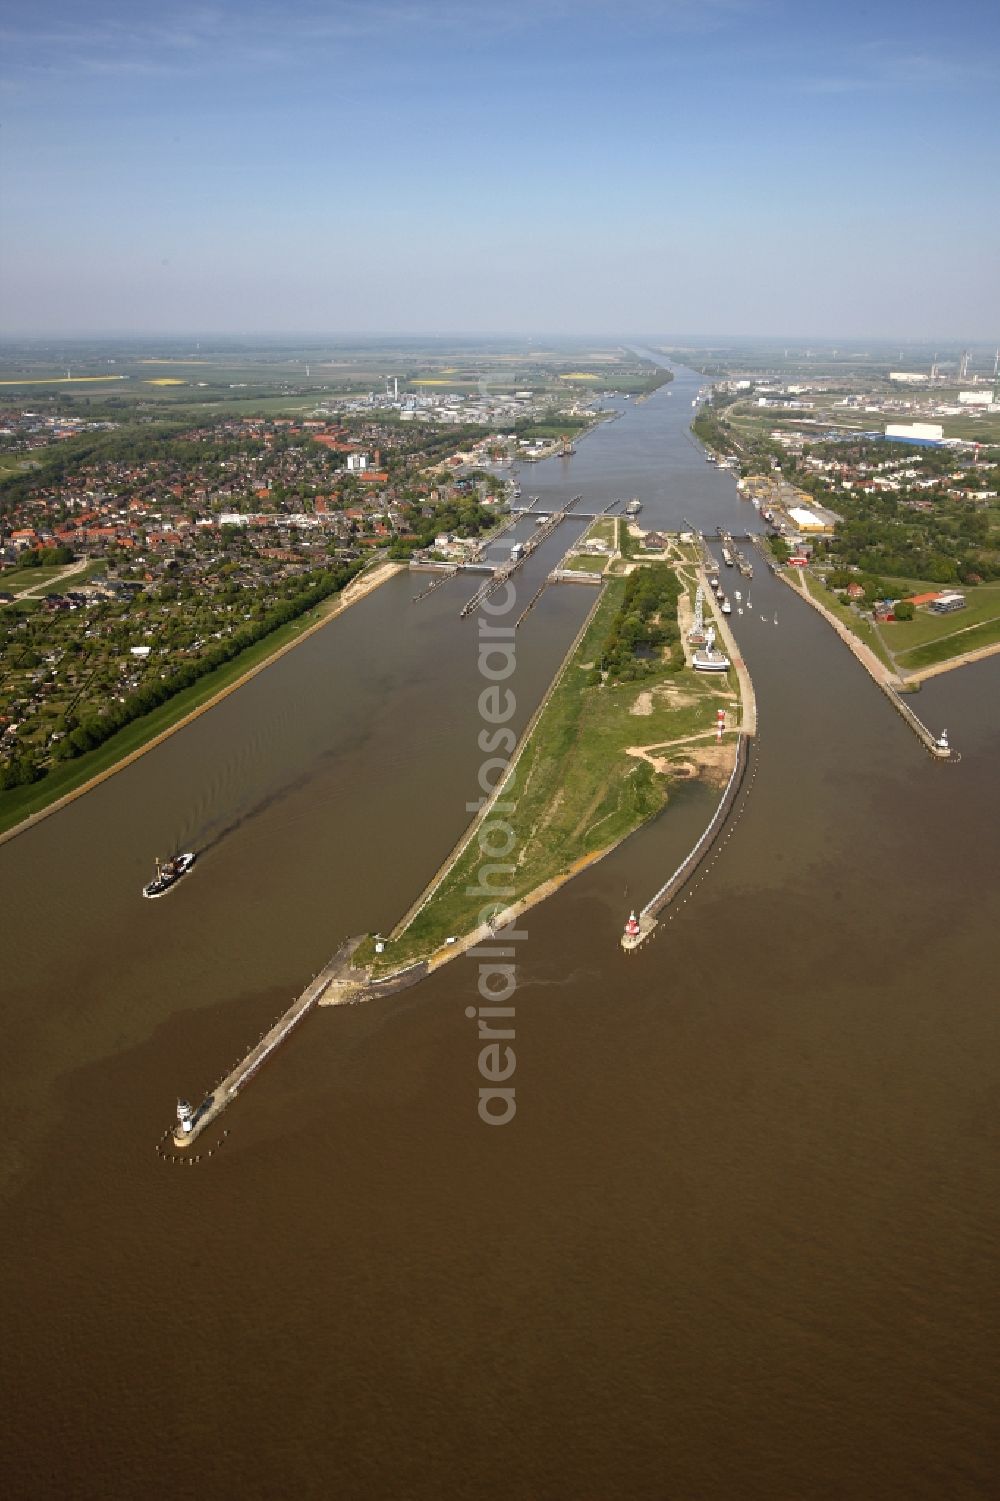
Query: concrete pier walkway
{"points": [[337, 984], [670, 888], [883, 676]]}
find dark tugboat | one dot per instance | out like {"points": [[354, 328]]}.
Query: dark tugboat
{"points": [[168, 874]]}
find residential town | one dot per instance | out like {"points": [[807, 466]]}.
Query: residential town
{"points": [[142, 560]]}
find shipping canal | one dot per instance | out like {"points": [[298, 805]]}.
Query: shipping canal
{"points": [[739, 1240]]}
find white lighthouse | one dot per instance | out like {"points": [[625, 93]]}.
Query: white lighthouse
{"points": [[185, 1116]]}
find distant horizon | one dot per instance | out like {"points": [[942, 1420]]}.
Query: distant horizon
{"points": [[579, 166], [842, 343]]}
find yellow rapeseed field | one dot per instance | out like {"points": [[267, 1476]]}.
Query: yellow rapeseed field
{"points": [[61, 380]]}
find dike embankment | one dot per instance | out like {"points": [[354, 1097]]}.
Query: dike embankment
{"points": [[887, 680], [356, 590]]}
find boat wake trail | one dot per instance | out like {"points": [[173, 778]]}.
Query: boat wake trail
{"points": [[574, 978], [211, 838]]}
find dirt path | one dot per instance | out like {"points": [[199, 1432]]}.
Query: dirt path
{"points": [[33, 591]]}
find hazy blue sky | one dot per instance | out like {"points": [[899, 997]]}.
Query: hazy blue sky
{"points": [[602, 166]]}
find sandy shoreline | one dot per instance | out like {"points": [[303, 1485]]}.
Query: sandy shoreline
{"points": [[489, 935], [356, 590], [351, 994]]}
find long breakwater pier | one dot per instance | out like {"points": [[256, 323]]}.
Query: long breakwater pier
{"points": [[937, 746], [648, 918], [337, 983], [651, 912]]}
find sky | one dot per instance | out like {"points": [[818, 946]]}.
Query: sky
{"points": [[593, 167]]}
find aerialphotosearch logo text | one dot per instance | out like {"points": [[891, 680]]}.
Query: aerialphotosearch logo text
{"points": [[494, 1012]]}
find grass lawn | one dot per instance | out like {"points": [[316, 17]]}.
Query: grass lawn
{"points": [[605, 530], [16, 463], [574, 790], [940, 650], [897, 588], [905, 635], [26, 578], [74, 580], [22, 802], [984, 428], [589, 563]]}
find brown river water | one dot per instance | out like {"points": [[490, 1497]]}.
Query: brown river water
{"points": [[739, 1240]]}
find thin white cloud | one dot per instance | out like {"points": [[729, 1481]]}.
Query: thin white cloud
{"points": [[192, 37], [884, 67]]}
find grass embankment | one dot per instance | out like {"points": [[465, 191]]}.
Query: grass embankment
{"points": [[928, 639], [987, 633], [575, 790], [20, 803], [855, 623]]}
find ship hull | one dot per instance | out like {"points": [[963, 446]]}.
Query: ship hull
{"points": [[167, 882]]}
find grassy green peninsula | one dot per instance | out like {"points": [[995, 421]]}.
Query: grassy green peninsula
{"points": [[627, 721]]}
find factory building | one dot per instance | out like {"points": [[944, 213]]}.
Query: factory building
{"points": [[807, 521], [915, 432]]}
